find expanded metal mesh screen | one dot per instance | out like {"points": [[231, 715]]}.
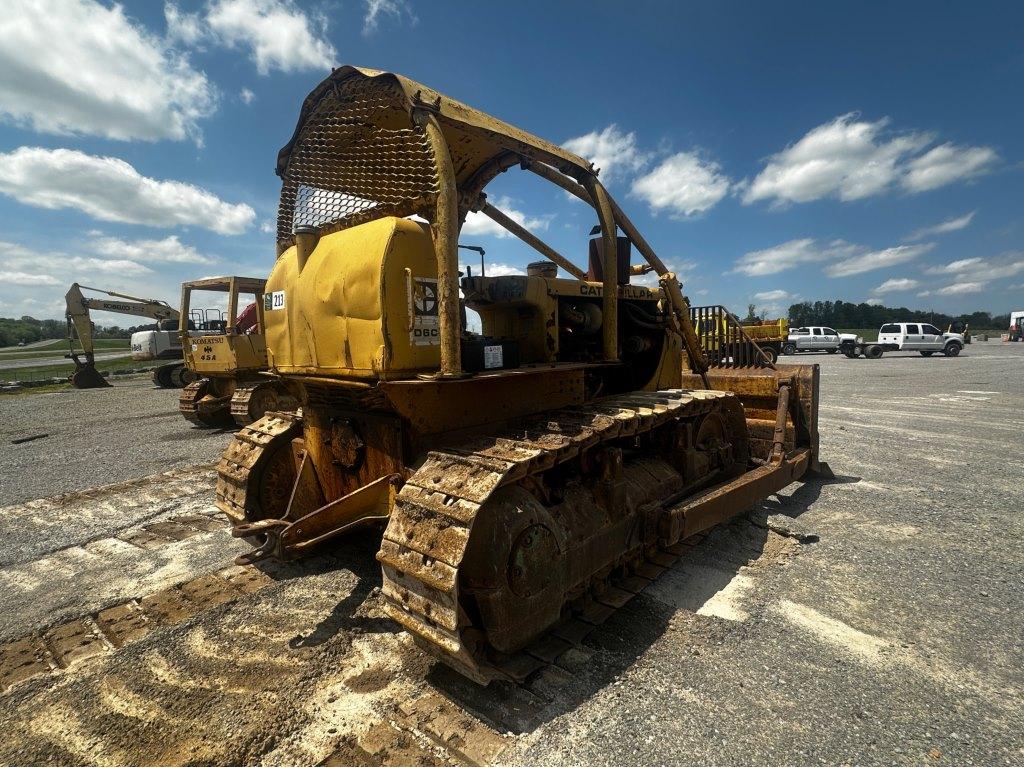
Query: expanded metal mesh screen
{"points": [[357, 157]]}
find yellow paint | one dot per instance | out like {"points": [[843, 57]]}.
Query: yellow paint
{"points": [[347, 311], [226, 354]]}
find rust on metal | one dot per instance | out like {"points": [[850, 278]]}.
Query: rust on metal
{"points": [[533, 476]]}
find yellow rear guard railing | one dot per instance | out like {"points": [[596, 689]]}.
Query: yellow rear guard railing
{"points": [[724, 340]]}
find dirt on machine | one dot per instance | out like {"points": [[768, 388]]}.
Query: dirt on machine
{"points": [[524, 475], [228, 362]]}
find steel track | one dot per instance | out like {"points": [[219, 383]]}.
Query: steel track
{"points": [[430, 526]]}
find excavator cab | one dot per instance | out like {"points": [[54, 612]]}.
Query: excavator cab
{"points": [[523, 474]]}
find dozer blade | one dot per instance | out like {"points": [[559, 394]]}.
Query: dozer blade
{"points": [[86, 376], [758, 390]]}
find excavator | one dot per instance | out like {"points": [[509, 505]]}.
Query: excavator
{"points": [[228, 362], [525, 476], [161, 343]]}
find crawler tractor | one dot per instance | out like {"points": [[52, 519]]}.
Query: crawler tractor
{"points": [[522, 472], [228, 363]]}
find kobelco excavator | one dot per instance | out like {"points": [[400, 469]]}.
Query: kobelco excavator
{"points": [[527, 475], [146, 345]]}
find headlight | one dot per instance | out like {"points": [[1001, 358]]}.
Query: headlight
{"points": [[860, 340]]}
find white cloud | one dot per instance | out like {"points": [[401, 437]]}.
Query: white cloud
{"points": [[850, 159], [950, 225], [896, 284], [610, 150], [983, 269], [503, 270], [477, 224], [182, 27], [947, 164], [247, 96], [268, 227], [26, 278], [110, 189], [683, 184], [77, 67], [773, 260], [168, 250], [955, 267], [877, 259], [681, 268], [957, 288], [19, 258], [874, 302], [375, 9], [774, 295], [277, 33]]}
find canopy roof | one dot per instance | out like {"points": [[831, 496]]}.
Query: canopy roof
{"points": [[357, 151]]}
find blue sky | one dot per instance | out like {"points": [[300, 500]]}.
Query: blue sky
{"points": [[866, 151]]}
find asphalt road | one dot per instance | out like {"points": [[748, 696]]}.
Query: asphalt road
{"points": [[57, 360], [874, 619]]}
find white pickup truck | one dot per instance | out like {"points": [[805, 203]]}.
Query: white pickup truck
{"points": [[906, 337], [815, 338]]}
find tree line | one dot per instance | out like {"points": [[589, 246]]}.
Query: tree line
{"points": [[844, 314], [28, 329]]}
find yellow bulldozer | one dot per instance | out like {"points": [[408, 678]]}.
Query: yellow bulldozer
{"points": [[521, 472], [228, 361]]}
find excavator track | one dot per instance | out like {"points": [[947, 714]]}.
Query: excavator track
{"points": [[256, 473], [433, 517]]}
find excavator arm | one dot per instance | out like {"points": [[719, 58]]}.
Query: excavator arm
{"points": [[80, 326]]}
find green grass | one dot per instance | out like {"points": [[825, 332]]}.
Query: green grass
{"points": [[65, 369], [48, 389]]}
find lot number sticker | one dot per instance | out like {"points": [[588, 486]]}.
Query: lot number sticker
{"points": [[273, 300]]}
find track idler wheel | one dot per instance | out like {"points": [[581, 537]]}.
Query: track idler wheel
{"points": [[256, 473], [516, 568], [250, 403], [162, 377]]}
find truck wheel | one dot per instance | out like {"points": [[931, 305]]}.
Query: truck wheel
{"points": [[771, 352], [789, 349], [873, 352], [927, 354], [831, 351], [851, 353], [952, 350]]}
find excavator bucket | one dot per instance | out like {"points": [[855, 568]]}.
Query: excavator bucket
{"points": [[86, 376]]}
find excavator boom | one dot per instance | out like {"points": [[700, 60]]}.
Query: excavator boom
{"points": [[80, 326]]}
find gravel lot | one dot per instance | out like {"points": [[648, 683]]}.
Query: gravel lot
{"points": [[885, 628], [96, 437]]}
